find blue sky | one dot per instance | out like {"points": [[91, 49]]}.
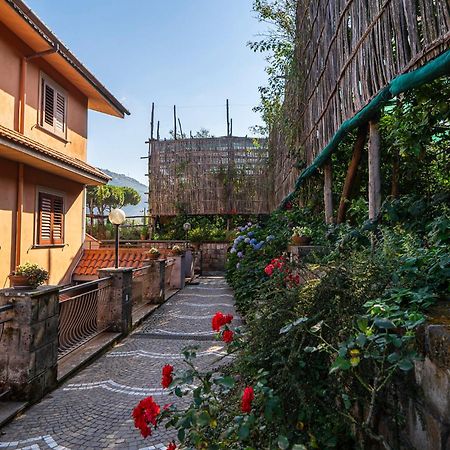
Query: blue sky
{"points": [[191, 53]]}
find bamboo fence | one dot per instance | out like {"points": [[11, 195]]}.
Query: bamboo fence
{"points": [[346, 52], [225, 175]]}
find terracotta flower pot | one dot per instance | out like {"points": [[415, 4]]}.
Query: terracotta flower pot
{"points": [[19, 282], [301, 240]]}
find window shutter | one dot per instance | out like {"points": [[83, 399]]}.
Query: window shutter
{"points": [[53, 108], [58, 220], [48, 104], [51, 219], [60, 113]]}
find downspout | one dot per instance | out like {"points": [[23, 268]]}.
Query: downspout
{"points": [[19, 212]]}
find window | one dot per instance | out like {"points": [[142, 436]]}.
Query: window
{"points": [[53, 108], [50, 219]]}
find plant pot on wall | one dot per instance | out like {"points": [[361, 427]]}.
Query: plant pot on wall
{"points": [[19, 281], [301, 240]]}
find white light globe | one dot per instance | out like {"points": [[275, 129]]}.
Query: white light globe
{"points": [[117, 216], [187, 226]]}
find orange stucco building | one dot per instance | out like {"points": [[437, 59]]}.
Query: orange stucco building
{"points": [[45, 95]]}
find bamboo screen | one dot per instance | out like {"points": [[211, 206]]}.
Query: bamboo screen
{"points": [[226, 175], [346, 52]]}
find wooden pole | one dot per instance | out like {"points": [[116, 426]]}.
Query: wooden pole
{"points": [[328, 192], [374, 170], [174, 122], [157, 131], [152, 121], [181, 129], [228, 118], [351, 172], [231, 127]]}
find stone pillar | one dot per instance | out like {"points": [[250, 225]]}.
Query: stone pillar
{"points": [[156, 279], [120, 298], [177, 278], [29, 343]]}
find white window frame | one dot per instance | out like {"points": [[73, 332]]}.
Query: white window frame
{"points": [[58, 90]]}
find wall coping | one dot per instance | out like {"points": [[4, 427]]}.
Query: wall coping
{"points": [[41, 290]]}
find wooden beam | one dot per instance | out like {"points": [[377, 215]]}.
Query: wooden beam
{"points": [[174, 122], [152, 121], [328, 192], [374, 170], [351, 172]]}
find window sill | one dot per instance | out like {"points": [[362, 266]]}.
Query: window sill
{"points": [[37, 246], [55, 135]]}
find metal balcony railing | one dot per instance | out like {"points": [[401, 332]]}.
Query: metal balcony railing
{"points": [[82, 313]]}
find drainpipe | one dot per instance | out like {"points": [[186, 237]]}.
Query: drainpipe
{"points": [[19, 212], [23, 81]]}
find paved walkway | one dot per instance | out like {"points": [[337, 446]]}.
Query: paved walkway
{"points": [[93, 409]]}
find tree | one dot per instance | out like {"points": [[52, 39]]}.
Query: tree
{"points": [[278, 43]]}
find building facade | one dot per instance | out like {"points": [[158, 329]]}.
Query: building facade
{"points": [[45, 96]]}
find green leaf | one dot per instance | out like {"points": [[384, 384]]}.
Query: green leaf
{"points": [[243, 432], [405, 364], [227, 381], [310, 349], [361, 339], [298, 447], [181, 434], [289, 326], [384, 323], [203, 418], [393, 358], [283, 442], [340, 364], [315, 328]]}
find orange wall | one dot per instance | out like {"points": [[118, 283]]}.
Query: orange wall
{"points": [[56, 260], [11, 52]]}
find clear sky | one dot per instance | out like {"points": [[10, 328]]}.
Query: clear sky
{"points": [[191, 53]]}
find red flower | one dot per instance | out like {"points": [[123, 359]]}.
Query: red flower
{"points": [[246, 402], [288, 205], [171, 446], [269, 269], [167, 376], [227, 336], [219, 320], [145, 413]]}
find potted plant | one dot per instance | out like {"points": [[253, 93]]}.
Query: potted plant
{"points": [[196, 237], [301, 235], [176, 250], [28, 276], [143, 233], [153, 253]]}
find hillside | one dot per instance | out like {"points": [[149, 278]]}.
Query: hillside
{"points": [[119, 179]]}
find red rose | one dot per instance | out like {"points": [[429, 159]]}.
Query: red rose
{"points": [[219, 320], [247, 398], [288, 205], [167, 376], [269, 269], [145, 413], [227, 336], [171, 446]]}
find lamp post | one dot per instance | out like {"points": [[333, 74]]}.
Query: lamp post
{"points": [[186, 228], [117, 217]]}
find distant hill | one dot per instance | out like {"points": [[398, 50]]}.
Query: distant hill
{"points": [[119, 179]]}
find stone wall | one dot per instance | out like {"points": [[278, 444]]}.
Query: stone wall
{"points": [[213, 256], [422, 398], [29, 343]]}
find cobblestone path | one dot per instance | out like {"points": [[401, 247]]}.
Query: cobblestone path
{"points": [[93, 409]]}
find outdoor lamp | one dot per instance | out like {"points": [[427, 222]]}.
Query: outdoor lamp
{"points": [[186, 228], [117, 217]]}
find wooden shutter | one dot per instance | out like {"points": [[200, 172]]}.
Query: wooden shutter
{"points": [[53, 108], [51, 219], [60, 113]]}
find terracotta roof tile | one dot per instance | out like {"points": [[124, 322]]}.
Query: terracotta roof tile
{"points": [[95, 259]]}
